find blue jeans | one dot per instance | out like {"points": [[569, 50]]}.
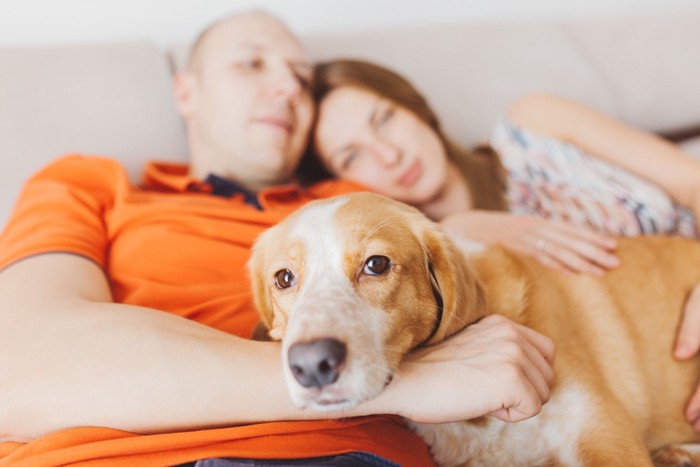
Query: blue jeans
{"points": [[352, 459]]}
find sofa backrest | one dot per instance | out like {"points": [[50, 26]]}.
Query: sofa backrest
{"points": [[643, 70], [107, 99], [115, 99]]}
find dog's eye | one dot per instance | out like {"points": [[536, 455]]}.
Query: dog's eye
{"points": [[284, 279], [376, 265]]}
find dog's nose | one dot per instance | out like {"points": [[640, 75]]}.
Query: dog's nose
{"points": [[317, 363]]}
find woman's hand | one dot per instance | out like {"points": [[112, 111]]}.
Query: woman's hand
{"points": [[686, 347], [553, 243], [494, 367]]}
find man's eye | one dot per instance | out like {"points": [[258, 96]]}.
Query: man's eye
{"points": [[376, 265], [250, 63], [304, 81], [285, 279]]}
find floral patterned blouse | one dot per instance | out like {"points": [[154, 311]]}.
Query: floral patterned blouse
{"points": [[556, 180]]}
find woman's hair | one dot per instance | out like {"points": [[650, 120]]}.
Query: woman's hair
{"points": [[481, 167]]}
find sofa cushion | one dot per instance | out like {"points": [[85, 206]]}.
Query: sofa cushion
{"points": [[113, 100]]}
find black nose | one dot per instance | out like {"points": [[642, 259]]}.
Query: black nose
{"points": [[317, 363]]}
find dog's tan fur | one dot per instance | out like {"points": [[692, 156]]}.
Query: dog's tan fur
{"points": [[618, 392]]}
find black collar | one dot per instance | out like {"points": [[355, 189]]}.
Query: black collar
{"points": [[440, 305], [226, 188]]}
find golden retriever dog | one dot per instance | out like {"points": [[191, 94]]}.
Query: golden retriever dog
{"points": [[350, 285]]}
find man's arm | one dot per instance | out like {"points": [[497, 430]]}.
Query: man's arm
{"points": [[70, 357]]}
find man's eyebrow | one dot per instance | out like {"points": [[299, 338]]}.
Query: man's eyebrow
{"points": [[299, 65]]}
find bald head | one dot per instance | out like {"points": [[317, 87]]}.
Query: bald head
{"points": [[246, 101], [242, 22]]}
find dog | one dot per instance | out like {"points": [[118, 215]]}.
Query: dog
{"points": [[352, 284]]}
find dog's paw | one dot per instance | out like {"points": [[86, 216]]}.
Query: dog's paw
{"points": [[673, 455]]}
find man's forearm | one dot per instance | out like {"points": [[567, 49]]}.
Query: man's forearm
{"points": [[70, 360]]}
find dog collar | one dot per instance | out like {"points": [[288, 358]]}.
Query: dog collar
{"points": [[440, 305]]}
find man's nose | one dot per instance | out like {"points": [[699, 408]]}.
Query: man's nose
{"points": [[286, 85]]}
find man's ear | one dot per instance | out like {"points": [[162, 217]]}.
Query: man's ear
{"points": [[183, 90]]}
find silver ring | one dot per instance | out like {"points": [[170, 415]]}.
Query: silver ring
{"points": [[540, 244]]}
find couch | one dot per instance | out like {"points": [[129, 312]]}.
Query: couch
{"points": [[114, 99]]}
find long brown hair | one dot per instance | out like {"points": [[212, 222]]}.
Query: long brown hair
{"points": [[481, 166]]}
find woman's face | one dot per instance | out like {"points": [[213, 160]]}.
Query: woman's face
{"points": [[370, 140]]}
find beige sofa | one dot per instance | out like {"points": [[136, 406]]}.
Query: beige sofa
{"points": [[115, 100]]}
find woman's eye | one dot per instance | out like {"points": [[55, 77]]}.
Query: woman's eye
{"points": [[385, 116], [284, 279], [376, 265], [349, 159]]}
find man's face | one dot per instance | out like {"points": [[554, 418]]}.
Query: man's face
{"points": [[249, 106]]}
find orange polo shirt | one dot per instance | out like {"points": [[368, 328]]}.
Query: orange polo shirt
{"points": [[171, 245]]}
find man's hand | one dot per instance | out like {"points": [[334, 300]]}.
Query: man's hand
{"points": [[494, 367], [555, 244], [687, 346]]}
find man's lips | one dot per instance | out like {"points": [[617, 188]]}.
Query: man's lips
{"points": [[278, 122]]}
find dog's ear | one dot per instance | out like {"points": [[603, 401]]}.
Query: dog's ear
{"points": [[454, 279], [261, 333], [261, 293]]}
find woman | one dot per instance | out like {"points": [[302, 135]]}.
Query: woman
{"points": [[571, 176]]}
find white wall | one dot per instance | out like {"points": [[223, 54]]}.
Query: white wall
{"points": [[172, 21]]}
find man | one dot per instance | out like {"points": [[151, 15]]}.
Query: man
{"points": [[125, 311]]}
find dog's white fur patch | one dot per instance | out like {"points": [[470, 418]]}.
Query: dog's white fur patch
{"points": [[328, 301], [691, 448], [555, 431]]}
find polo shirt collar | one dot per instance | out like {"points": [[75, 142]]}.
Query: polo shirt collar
{"points": [[226, 188], [170, 176]]}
